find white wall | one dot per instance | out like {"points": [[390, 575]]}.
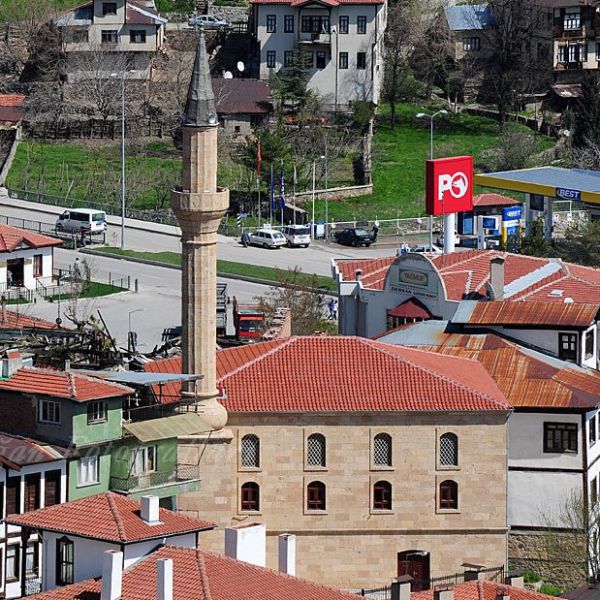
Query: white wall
{"points": [[135, 552], [28, 278]]}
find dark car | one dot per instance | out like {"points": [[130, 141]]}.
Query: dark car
{"points": [[354, 237]]}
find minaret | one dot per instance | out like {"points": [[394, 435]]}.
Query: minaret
{"points": [[199, 206]]}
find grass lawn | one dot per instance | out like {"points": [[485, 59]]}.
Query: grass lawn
{"points": [[94, 289], [225, 267]]}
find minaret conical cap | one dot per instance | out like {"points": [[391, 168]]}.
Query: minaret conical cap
{"points": [[200, 108]]}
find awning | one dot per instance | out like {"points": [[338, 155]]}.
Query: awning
{"points": [[410, 309], [168, 427]]}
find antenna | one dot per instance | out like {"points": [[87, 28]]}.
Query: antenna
{"points": [[228, 75], [241, 66]]}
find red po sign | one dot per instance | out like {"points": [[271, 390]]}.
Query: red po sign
{"points": [[449, 185]]}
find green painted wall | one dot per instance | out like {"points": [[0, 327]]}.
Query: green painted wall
{"points": [[76, 491], [85, 434]]}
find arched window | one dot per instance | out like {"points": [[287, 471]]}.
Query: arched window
{"points": [[316, 450], [316, 496], [449, 449], [448, 494], [250, 451], [382, 495], [250, 496], [382, 450]]}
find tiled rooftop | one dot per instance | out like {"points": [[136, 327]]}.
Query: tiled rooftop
{"points": [[324, 374], [110, 517], [485, 590], [12, 237], [17, 452], [10, 319], [482, 200]]}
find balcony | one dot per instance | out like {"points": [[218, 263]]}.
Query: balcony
{"points": [[315, 38], [160, 483]]}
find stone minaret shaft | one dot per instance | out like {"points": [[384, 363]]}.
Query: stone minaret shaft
{"points": [[199, 206]]}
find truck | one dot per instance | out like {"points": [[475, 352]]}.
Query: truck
{"points": [[249, 321], [222, 301]]}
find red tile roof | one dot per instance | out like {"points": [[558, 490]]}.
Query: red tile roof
{"points": [[412, 308], [465, 275], [199, 575], [534, 313], [12, 100], [109, 517], [325, 2], [62, 384], [17, 452], [485, 590], [333, 374], [14, 320], [493, 200], [242, 96], [12, 237]]}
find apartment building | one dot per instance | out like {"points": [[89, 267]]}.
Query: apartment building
{"points": [[341, 42]]}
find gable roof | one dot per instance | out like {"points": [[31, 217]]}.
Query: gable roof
{"points": [[200, 575], [468, 17], [412, 308], [109, 517], [17, 452], [494, 200], [485, 590], [12, 237], [241, 96], [348, 374], [9, 319], [62, 384], [528, 379]]}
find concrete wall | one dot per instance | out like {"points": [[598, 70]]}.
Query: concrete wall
{"points": [[362, 542], [29, 281]]}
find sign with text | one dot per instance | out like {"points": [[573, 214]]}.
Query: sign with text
{"points": [[512, 213], [449, 184], [567, 194]]}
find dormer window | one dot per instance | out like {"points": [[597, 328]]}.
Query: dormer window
{"points": [[109, 8]]}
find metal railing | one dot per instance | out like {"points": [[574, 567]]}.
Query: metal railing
{"points": [[33, 585], [156, 479]]}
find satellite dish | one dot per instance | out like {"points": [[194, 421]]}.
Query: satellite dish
{"points": [[212, 119], [240, 66], [228, 75]]}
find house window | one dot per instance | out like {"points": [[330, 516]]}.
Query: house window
{"points": [[562, 54], [593, 427], [572, 19], [288, 24], [382, 450], [597, 50], [109, 36], [594, 492], [471, 43], [32, 492], [64, 561], [361, 60], [589, 344], [344, 24], [12, 563], [572, 53], [251, 496], [449, 450], [48, 411], [13, 496], [567, 342], [78, 36], [143, 460], [343, 60], [109, 8], [87, 470], [382, 495], [271, 23], [271, 59], [315, 496], [37, 265], [316, 450], [449, 494], [361, 25], [321, 59], [582, 52], [560, 437], [137, 36], [96, 412], [32, 560], [52, 488], [288, 58], [250, 451], [315, 24]]}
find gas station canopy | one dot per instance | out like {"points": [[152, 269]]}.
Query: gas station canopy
{"points": [[552, 182]]}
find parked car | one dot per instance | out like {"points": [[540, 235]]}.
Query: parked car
{"points": [[423, 248], [267, 238], [354, 236], [208, 22], [440, 239], [82, 220], [297, 235]]}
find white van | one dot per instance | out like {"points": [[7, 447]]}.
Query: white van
{"points": [[84, 220], [267, 238], [297, 235]]}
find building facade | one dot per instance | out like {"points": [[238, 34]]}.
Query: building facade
{"points": [[340, 42]]}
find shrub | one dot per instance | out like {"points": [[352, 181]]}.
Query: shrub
{"points": [[550, 589], [531, 577]]}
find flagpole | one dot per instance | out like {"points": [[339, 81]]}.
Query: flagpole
{"points": [[271, 199], [294, 185], [259, 212]]}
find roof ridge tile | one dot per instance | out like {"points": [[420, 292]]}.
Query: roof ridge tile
{"points": [[277, 345], [116, 516], [204, 581]]}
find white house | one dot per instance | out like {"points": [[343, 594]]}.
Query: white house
{"points": [[77, 534], [32, 476], [342, 41], [26, 258]]}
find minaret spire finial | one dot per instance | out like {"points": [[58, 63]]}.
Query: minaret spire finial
{"points": [[200, 108]]}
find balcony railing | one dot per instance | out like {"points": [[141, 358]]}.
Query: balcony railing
{"points": [[33, 585], [156, 479], [315, 38]]}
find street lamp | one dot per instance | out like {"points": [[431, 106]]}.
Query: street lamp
{"points": [[312, 223], [324, 157], [130, 344], [431, 118]]}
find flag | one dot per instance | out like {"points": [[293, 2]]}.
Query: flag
{"points": [[282, 191], [273, 201], [258, 158]]}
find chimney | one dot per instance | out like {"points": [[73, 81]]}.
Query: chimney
{"points": [[247, 543], [443, 593], [149, 509], [112, 575], [515, 579], [12, 363], [358, 274], [496, 287], [401, 588], [473, 572], [502, 595], [287, 553], [164, 579]]}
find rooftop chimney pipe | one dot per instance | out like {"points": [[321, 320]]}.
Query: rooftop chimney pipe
{"points": [[287, 553], [164, 579], [149, 509], [496, 287], [112, 575]]}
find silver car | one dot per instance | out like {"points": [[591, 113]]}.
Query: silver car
{"points": [[208, 22]]}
